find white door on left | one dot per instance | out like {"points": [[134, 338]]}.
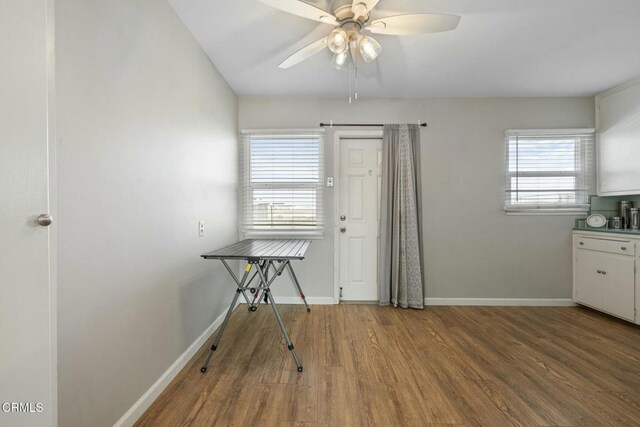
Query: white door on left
{"points": [[27, 278]]}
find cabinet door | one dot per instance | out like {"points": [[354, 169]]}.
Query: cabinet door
{"points": [[618, 290], [618, 149], [587, 280]]}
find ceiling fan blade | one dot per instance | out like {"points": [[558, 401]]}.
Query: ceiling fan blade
{"points": [[362, 7], [304, 53], [303, 9], [414, 23]]}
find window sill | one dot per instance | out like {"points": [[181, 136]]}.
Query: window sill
{"points": [[546, 212], [311, 235]]}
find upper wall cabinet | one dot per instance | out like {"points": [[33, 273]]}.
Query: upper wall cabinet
{"points": [[618, 130]]}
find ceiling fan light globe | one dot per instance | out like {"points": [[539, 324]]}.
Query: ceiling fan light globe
{"points": [[340, 61], [338, 41], [369, 48]]}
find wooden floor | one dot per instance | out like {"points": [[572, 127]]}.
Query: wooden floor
{"points": [[370, 365]]}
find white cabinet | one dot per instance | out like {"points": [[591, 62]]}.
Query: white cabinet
{"points": [[587, 278], [604, 277], [618, 287], [618, 133]]}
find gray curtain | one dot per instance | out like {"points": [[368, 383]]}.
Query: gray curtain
{"points": [[400, 255]]}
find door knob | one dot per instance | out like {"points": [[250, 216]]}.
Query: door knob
{"points": [[343, 218], [45, 220], [343, 229], [599, 271]]}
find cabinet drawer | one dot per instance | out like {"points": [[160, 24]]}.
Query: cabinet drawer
{"points": [[621, 247]]}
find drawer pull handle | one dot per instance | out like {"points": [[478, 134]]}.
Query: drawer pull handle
{"points": [[624, 248], [581, 243]]}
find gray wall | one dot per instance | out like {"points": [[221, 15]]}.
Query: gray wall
{"points": [[147, 148], [472, 248]]}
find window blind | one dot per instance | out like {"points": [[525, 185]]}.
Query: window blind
{"points": [[549, 169], [281, 176]]}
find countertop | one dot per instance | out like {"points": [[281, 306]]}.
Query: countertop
{"points": [[608, 230]]}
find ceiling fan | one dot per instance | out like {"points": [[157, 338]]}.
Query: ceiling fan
{"points": [[347, 41]]}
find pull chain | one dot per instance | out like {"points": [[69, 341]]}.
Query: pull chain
{"points": [[350, 84], [353, 87], [356, 78]]}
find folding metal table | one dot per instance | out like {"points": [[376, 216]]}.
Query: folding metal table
{"points": [[261, 257]]}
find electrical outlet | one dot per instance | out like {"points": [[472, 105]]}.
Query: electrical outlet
{"points": [[200, 228], [330, 181]]}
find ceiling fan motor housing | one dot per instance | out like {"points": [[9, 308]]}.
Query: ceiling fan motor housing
{"points": [[345, 14]]}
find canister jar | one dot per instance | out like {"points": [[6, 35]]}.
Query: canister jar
{"points": [[625, 215], [616, 222], [634, 218]]}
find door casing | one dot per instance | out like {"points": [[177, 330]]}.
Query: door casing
{"points": [[337, 135]]}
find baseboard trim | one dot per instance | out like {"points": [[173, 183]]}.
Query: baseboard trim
{"points": [[513, 302], [298, 300], [138, 408]]}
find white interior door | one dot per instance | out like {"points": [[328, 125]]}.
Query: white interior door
{"points": [[27, 296], [358, 217]]}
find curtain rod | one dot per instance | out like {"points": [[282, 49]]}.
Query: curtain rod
{"points": [[424, 125]]}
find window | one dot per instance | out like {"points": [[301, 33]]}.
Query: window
{"points": [[549, 171], [282, 180]]}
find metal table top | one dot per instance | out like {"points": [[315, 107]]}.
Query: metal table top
{"points": [[262, 249]]}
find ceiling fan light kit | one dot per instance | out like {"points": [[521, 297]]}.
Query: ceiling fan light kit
{"points": [[349, 22], [369, 48], [338, 41], [340, 61]]}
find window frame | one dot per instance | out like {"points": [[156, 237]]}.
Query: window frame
{"points": [[583, 174], [246, 189]]}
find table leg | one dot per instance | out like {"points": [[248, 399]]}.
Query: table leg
{"points": [[235, 279], [226, 317], [266, 268], [260, 294], [297, 285], [253, 306], [276, 312]]}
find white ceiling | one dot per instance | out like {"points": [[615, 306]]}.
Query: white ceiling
{"points": [[501, 48]]}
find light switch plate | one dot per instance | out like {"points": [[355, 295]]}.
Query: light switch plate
{"points": [[329, 181], [200, 228]]}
